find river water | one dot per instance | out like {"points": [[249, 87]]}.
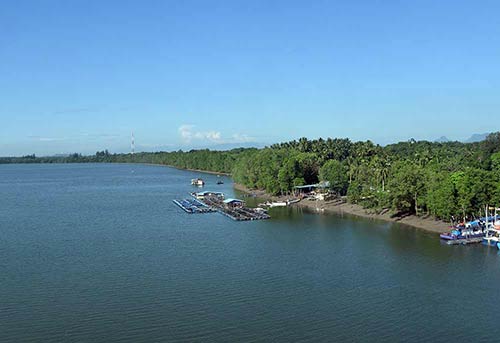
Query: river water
{"points": [[99, 253]]}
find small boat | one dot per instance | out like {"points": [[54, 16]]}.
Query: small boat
{"points": [[492, 231], [277, 204], [453, 234], [198, 182], [220, 182], [498, 245], [459, 233], [472, 229], [491, 237]]}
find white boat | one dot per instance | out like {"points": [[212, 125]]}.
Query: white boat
{"points": [[492, 236], [277, 204], [198, 182]]}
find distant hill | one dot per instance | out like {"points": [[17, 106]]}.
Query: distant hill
{"points": [[442, 139], [477, 137]]}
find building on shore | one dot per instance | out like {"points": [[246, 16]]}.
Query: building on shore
{"points": [[321, 187]]}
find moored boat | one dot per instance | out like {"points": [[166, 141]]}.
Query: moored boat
{"points": [[198, 182], [491, 237], [277, 204], [280, 203], [459, 233]]}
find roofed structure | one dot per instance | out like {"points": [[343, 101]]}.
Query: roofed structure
{"points": [[233, 201], [320, 185]]}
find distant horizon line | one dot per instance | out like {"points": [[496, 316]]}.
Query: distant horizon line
{"points": [[474, 138]]}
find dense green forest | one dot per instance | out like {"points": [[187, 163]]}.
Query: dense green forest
{"points": [[446, 180]]}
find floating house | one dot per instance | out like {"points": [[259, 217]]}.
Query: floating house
{"points": [[203, 195], [234, 203]]}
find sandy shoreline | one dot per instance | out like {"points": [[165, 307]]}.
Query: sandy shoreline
{"points": [[425, 223]]}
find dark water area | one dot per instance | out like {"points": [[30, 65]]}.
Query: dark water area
{"points": [[99, 253]]}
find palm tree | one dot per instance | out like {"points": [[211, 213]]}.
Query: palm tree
{"points": [[304, 144]]}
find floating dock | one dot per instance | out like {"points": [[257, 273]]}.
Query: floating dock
{"points": [[243, 214], [465, 241], [238, 213], [193, 206], [214, 202]]}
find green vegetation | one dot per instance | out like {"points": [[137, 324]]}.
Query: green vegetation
{"points": [[444, 180]]}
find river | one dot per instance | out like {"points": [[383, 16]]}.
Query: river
{"points": [[99, 253]]}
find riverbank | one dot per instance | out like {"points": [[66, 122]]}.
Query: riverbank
{"points": [[338, 207], [425, 223]]}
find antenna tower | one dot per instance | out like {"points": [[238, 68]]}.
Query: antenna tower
{"points": [[132, 144]]}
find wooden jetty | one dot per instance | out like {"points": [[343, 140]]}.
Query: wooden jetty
{"points": [[464, 241]]}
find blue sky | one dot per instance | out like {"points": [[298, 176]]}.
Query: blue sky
{"points": [[80, 76]]}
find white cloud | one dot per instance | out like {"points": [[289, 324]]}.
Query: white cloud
{"points": [[47, 139], [241, 138], [188, 134]]}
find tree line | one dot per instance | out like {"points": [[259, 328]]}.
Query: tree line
{"points": [[445, 180]]}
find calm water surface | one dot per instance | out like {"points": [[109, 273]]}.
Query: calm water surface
{"points": [[99, 253]]}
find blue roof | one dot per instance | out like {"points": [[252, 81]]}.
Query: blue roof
{"points": [[230, 200]]}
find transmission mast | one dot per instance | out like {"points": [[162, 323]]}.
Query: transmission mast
{"points": [[132, 144]]}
